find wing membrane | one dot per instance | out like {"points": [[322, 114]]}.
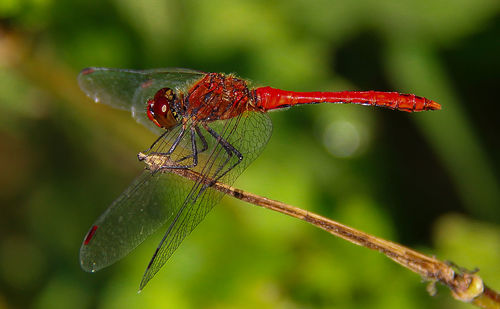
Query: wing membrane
{"points": [[149, 202], [130, 89]]}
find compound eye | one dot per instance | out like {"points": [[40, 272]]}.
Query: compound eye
{"points": [[160, 109], [151, 112]]}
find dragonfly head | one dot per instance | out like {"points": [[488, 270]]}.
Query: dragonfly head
{"points": [[161, 110]]}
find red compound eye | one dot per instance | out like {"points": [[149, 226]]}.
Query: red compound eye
{"points": [[151, 113], [159, 109]]}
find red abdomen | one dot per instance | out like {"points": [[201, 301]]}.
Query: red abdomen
{"points": [[268, 98]]}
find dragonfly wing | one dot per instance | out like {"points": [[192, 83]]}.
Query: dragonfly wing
{"points": [[130, 89], [147, 204], [249, 134]]}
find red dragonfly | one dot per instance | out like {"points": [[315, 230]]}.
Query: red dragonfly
{"points": [[212, 123]]}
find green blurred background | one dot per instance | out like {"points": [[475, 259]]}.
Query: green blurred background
{"points": [[428, 180]]}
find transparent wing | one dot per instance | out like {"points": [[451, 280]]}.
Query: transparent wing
{"points": [[249, 134], [149, 202], [130, 89]]}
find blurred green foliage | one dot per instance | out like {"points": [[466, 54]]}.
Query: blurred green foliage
{"points": [[429, 180]]}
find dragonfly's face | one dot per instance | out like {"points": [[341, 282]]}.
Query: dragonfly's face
{"points": [[160, 109]]}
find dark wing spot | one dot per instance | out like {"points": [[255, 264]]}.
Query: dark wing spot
{"points": [[90, 235], [87, 71]]}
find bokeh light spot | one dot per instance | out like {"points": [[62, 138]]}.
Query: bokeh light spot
{"points": [[342, 139]]}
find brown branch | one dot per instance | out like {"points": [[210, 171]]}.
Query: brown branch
{"points": [[465, 286]]}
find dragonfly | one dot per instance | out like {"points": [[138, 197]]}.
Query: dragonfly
{"points": [[214, 124]]}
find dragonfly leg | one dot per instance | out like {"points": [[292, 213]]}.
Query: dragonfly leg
{"points": [[228, 148], [177, 140], [203, 141], [174, 146], [194, 153]]}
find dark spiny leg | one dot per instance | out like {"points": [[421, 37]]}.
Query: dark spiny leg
{"points": [[194, 154], [174, 146], [218, 139], [203, 141], [228, 148], [177, 140]]}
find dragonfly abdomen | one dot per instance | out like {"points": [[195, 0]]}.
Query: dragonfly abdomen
{"points": [[268, 98]]}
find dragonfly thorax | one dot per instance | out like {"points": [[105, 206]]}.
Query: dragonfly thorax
{"points": [[217, 97], [161, 109]]}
